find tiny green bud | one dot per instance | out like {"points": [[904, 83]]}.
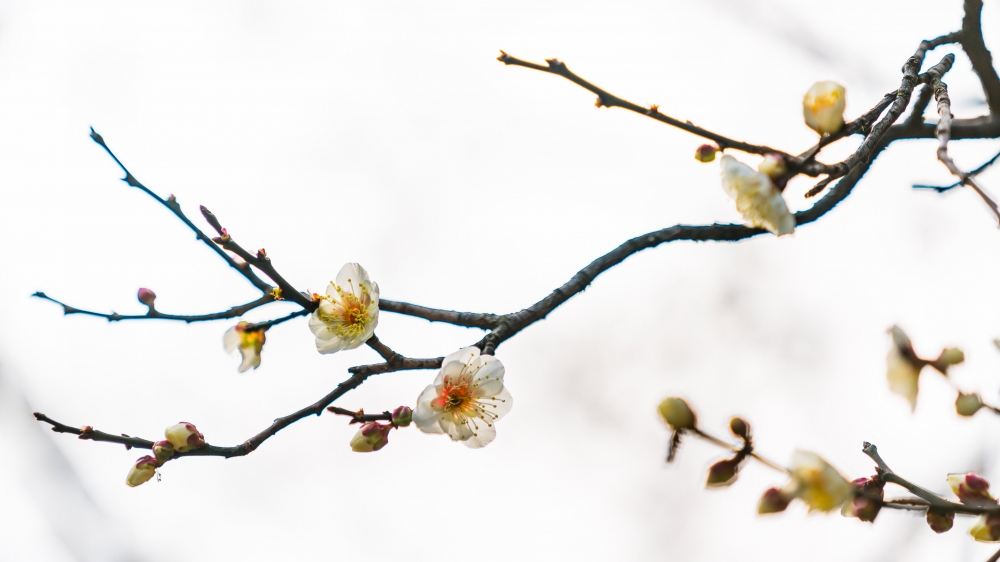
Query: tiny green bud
{"points": [[968, 404], [677, 414]]}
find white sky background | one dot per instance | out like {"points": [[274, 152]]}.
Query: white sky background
{"points": [[386, 133]]}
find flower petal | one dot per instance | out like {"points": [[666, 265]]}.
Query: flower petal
{"points": [[351, 277], [425, 416], [231, 340], [483, 436], [331, 346]]}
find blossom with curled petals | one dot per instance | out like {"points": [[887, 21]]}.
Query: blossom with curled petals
{"points": [[756, 197], [466, 399], [816, 483], [250, 342], [347, 313]]}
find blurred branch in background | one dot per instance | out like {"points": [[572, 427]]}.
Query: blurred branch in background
{"points": [[86, 532]]}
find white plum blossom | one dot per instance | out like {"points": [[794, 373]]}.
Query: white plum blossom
{"points": [[347, 313], [756, 197], [248, 341], [823, 107], [816, 483], [466, 399]]}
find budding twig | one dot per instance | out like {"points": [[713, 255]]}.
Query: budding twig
{"points": [[736, 449]]}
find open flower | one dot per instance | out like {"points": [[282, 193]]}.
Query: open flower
{"points": [[348, 313], [249, 341], [466, 399], [823, 107], [141, 471], [817, 483], [756, 198]]}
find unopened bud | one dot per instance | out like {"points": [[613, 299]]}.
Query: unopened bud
{"points": [[950, 356], [402, 416], [146, 297], [163, 451], [773, 166], [940, 521], [987, 528], [971, 489], [968, 404], [677, 414], [739, 427], [371, 437], [184, 437], [706, 153], [866, 501], [142, 471], [722, 473], [773, 501], [823, 107]]}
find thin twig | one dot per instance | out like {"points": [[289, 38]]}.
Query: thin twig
{"points": [[154, 314], [175, 208], [716, 441], [944, 135]]}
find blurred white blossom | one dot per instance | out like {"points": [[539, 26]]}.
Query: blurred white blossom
{"points": [[756, 197]]}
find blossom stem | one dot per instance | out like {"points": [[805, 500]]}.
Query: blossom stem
{"points": [[716, 441]]}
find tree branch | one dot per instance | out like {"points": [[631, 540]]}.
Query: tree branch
{"points": [[944, 135], [482, 320], [154, 314], [175, 208]]}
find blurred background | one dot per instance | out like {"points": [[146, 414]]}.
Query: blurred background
{"points": [[387, 133]]}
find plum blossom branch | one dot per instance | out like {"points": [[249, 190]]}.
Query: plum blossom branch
{"points": [[171, 203], [944, 135], [975, 172], [878, 125], [154, 314]]}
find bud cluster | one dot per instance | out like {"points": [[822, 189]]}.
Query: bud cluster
{"points": [[374, 435], [180, 438]]}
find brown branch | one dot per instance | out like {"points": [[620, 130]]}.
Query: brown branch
{"points": [[982, 61], [944, 135], [154, 314], [975, 172], [605, 99], [360, 416], [175, 208], [469, 319], [866, 151], [260, 261]]}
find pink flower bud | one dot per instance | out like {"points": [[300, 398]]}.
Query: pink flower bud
{"points": [[706, 153], [184, 437], [722, 473], [371, 437], [940, 521], [773, 501], [142, 471], [971, 489], [146, 297], [866, 501], [402, 416], [163, 451]]}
